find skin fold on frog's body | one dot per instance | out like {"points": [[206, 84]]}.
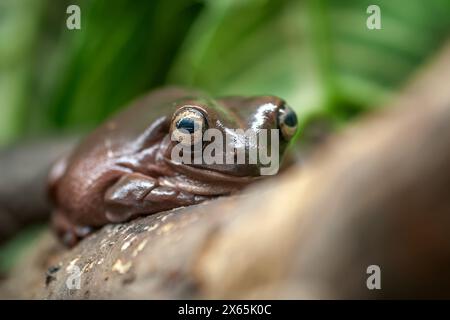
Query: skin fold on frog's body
{"points": [[124, 168]]}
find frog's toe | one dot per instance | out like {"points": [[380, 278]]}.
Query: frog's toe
{"points": [[72, 236], [69, 233]]}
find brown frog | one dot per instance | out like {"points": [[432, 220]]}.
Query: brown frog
{"points": [[124, 168]]}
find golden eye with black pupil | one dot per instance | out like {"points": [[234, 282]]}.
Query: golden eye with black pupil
{"points": [[287, 122], [188, 125]]}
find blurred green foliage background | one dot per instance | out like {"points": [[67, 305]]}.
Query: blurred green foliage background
{"points": [[318, 55]]}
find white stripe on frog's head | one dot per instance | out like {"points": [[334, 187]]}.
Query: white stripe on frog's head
{"points": [[261, 115]]}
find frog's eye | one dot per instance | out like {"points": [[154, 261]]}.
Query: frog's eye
{"points": [[188, 125], [287, 122]]}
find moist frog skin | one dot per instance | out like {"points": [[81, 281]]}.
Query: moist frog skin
{"points": [[123, 169]]}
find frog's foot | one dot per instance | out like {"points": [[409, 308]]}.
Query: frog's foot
{"points": [[69, 233], [136, 194]]}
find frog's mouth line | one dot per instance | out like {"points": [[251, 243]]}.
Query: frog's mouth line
{"points": [[209, 175]]}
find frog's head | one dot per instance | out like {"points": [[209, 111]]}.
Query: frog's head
{"points": [[222, 136]]}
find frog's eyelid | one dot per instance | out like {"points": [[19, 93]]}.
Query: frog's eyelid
{"points": [[189, 110], [194, 118]]}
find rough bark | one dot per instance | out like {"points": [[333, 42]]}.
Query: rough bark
{"points": [[376, 194]]}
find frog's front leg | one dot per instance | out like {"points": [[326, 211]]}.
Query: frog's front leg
{"points": [[136, 194]]}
